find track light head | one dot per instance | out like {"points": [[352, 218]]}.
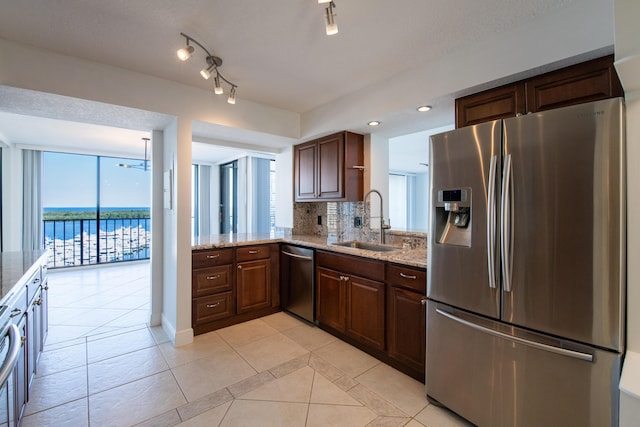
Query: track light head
{"points": [[206, 73], [185, 53], [331, 26], [232, 95], [217, 88]]}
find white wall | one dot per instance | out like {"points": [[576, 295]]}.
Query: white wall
{"points": [[376, 175], [284, 188], [627, 32]]}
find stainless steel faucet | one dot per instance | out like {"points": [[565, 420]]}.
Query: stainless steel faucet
{"points": [[383, 226]]}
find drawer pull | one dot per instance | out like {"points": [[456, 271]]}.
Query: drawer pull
{"points": [[406, 276], [39, 301], [254, 252], [423, 301], [213, 256], [216, 277], [15, 312], [36, 281], [344, 278], [213, 305]]}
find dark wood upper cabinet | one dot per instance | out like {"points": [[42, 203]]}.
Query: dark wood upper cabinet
{"points": [[326, 168], [500, 103], [589, 81]]}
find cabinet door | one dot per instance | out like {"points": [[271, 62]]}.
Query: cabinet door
{"points": [[365, 311], [590, 81], [305, 171], [253, 285], [406, 331], [330, 299], [500, 103], [331, 167]]}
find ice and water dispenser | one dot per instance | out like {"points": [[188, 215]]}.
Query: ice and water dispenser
{"points": [[453, 217]]}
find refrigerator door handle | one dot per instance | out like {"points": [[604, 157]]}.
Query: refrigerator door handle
{"points": [[553, 349], [506, 248], [491, 222]]}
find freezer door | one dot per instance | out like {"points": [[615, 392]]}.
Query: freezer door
{"points": [[565, 242], [496, 375], [463, 259]]}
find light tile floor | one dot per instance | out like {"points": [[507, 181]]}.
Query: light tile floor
{"points": [[104, 366]]}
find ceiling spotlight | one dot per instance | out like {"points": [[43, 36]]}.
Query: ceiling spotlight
{"points": [[206, 72], [185, 53], [216, 86], [213, 64], [324, 1], [232, 95], [374, 123], [331, 26], [424, 108]]}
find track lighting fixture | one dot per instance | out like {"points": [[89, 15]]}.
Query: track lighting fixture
{"points": [[213, 62], [331, 26]]}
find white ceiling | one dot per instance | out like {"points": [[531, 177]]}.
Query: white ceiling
{"points": [[276, 52]]}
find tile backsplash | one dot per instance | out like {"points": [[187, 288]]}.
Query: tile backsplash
{"points": [[338, 221]]}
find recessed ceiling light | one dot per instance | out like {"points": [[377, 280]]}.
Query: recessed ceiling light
{"points": [[424, 108], [374, 123]]}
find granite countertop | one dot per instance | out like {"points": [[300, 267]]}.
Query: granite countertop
{"points": [[405, 256], [16, 268]]}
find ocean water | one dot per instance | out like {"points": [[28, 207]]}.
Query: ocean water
{"points": [[76, 242]]}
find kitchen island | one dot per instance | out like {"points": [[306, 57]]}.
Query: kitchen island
{"points": [[373, 299], [24, 316]]}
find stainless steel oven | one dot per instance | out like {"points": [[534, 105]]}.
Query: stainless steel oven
{"points": [[10, 345]]}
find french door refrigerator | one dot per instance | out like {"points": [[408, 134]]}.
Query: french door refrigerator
{"points": [[526, 269]]}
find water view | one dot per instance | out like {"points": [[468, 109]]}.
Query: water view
{"points": [[73, 237]]}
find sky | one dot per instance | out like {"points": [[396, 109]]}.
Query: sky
{"points": [[70, 180]]}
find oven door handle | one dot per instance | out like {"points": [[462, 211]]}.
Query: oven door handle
{"points": [[12, 355]]}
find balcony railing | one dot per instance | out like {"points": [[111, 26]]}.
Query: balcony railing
{"points": [[81, 242]]}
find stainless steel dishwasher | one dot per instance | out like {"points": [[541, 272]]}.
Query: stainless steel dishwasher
{"points": [[297, 281]]}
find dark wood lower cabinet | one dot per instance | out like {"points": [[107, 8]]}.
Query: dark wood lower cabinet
{"points": [[331, 299], [365, 311], [253, 285], [406, 328]]}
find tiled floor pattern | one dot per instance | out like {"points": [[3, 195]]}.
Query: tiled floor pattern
{"points": [[103, 366]]}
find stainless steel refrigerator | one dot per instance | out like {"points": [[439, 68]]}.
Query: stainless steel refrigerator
{"points": [[526, 269]]}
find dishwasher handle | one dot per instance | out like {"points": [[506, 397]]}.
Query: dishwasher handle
{"points": [[12, 355], [306, 258]]}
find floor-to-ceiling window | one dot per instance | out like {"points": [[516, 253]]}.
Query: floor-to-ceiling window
{"points": [[229, 197], [95, 209]]}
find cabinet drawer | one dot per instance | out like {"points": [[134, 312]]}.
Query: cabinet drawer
{"points": [[363, 267], [34, 283], [248, 253], [211, 280], [211, 258], [208, 309], [407, 277]]}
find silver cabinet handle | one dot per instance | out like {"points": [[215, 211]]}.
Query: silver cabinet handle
{"points": [[406, 276], [213, 256], [254, 252], [506, 250], [239, 267], [344, 278], [15, 312], [491, 222], [217, 276], [546, 347], [423, 301], [36, 280], [39, 301], [213, 305]]}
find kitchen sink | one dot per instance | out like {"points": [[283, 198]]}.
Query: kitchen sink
{"points": [[356, 244]]}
